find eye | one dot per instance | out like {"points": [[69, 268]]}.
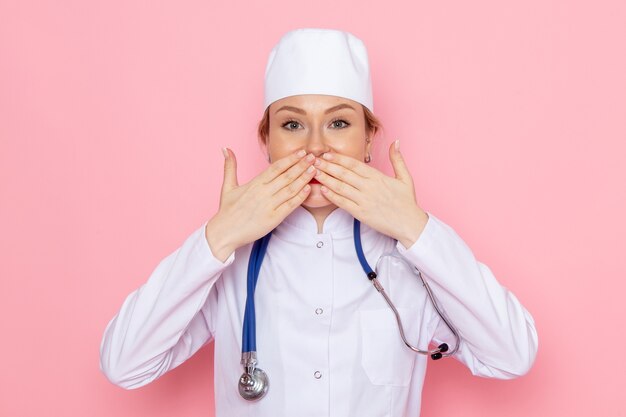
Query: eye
{"points": [[336, 121], [291, 124]]}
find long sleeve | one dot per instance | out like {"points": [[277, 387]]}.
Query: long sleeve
{"points": [[498, 335], [167, 319]]}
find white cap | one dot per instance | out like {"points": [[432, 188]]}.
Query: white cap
{"points": [[319, 61]]}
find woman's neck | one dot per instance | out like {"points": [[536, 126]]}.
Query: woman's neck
{"points": [[320, 214]]}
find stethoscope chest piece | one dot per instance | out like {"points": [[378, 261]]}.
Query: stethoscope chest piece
{"points": [[253, 386]]}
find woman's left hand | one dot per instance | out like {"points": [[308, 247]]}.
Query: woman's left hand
{"points": [[384, 203]]}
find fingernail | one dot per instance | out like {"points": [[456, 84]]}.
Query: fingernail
{"points": [[327, 156], [397, 145], [301, 153], [225, 152]]}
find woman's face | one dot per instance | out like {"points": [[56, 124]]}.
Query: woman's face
{"points": [[317, 123]]}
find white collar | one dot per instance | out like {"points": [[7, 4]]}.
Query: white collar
{"points": [[300, 226]]}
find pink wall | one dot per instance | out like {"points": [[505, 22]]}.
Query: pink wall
{"points": [[112, 115]]}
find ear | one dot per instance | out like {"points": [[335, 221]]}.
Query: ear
{"points": [[265, 147]]}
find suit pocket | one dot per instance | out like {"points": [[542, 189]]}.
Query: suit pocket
{"points": [[384, 356]]}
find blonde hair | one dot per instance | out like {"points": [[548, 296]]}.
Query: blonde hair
{"points": [[372, 124]]}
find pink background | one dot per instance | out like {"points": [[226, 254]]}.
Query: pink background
{"points": [[511, 116]]}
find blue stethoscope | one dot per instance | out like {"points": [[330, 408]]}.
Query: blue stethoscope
{"points": [[254, 383]]}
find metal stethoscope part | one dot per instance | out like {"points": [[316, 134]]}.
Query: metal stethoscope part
{"points": [[435, 353], [254, 382]]}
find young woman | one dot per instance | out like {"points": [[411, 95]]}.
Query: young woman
{"points": [[319, 261]]}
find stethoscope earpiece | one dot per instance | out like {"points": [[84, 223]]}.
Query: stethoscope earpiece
{"points": [[442, 348]]}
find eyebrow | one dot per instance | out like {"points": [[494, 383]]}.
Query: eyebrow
{"points": [[330, 110]]}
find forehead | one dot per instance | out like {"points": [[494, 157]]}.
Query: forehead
{"points": [[313, 102]]}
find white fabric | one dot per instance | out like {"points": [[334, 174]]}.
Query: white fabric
{"points": [[319, 61], [192, 298]]}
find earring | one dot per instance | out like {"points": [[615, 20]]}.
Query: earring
{"points": [[368, 158]]}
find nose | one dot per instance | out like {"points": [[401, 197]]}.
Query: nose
{"points": [[317, 143]]}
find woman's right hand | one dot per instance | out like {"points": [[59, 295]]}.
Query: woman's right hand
{"points": [[250, 211]]}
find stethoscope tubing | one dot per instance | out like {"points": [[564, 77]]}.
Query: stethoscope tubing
{"points": [[254, 266]]}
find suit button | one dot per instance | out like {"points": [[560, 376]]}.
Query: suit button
{"points": [[317, 374], [318, 311], [320, 244]]}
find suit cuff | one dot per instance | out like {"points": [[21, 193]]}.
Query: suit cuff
{"points": [[202, 248], [419, 248]]}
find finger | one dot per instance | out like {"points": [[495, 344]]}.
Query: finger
{"points": [[341, 201], [230, 170], [343, 174], [279, 166], [290, 204], [292, 188], [338, 186], [292, 174], [398, 164], [360, 168]]}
